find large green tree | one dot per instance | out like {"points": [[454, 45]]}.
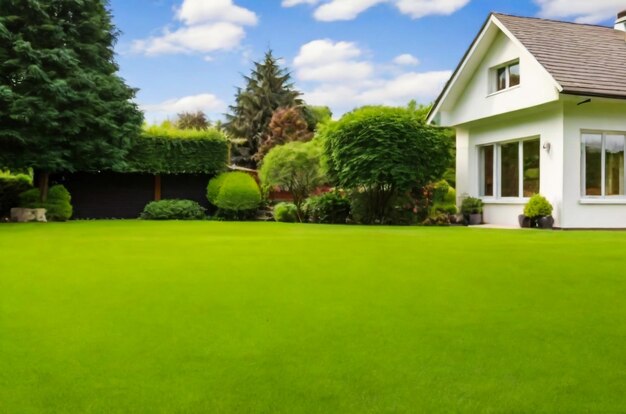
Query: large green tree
{"points": [[382, 153], [63, 107], [268, 88]]}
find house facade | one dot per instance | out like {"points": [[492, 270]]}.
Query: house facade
{"points": [[539, 106]]}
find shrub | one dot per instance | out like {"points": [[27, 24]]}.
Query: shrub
{"points": [[538, 206], [173, 210], [471, 205], [437, 220], [285, 213], [11, 186], [238, 195], [444, 199], [329, 208], [384, 152], [295, 167], [58, 205], [402, 210]]}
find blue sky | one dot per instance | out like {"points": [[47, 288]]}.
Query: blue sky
{"points": [[190, 54]]}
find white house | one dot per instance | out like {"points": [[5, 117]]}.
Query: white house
{"points": [[539, 106]]}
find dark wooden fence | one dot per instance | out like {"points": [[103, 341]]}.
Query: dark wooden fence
{"points": [[124, 195]]}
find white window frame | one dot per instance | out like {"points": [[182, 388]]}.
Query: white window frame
{"points": [[493, 77], [497, 169], [583, 166]]}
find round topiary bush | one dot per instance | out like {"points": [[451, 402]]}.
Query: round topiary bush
{"points": [[173, 210], [538, 206], [236, 194], [286, 213], [58, 205]]}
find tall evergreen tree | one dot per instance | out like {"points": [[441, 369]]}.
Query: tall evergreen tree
{"points": [[62, 105], [268, 88]]}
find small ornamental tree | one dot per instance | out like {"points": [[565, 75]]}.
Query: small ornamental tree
{"points": [[193, 120], [287, 125], [295, 167], [381, 153]]}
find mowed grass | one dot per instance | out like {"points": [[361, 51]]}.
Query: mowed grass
{"points": [[144, 317]]}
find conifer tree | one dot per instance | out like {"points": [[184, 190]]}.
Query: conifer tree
{"points": [[268, 88], [63, 107]]}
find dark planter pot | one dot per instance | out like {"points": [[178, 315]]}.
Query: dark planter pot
{"points": [[546, 222], [475, 219], [524, 222]]}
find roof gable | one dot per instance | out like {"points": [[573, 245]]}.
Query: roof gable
{"points": [[473, 60], [583, 59]]}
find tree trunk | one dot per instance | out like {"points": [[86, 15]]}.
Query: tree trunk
{"points": [[44, 181]]}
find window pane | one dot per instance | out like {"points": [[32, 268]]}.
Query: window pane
{"points": [[509, 167], [501, 80], [514, 77], [486, 171], [593, 164], [614, 165], [531, 167]]}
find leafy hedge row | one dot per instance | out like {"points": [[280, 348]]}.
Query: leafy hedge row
{"points": [[169, 151]]}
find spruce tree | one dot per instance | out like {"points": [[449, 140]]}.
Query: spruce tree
{"points": [[268, 88], [63, 107]]}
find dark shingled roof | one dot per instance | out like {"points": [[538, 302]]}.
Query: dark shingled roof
{"points": [[583, 59]]}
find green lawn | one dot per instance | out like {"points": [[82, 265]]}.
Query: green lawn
{"points": [[140, 317]]}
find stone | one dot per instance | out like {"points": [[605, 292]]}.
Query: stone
{"points": [[25, 215]]}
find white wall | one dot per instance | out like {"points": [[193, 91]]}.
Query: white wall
{"points": [[601, 115], [545, 122], [476, 102]]}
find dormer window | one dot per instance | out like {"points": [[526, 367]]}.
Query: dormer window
{"points": [[506, 76]]}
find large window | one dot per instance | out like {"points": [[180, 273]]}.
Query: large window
{"points": [[510, 169], [506, 77], [603, 164]]}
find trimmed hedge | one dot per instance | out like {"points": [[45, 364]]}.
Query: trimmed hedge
{"points": [[173, 210], [11, 186], [171, 151], [236, 194], [58, 205], [286, 213]]}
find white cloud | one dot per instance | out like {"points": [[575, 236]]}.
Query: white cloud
{"points": [[339, 75], [333, 10], [207, 103], [327, 61], [201, 11], [583, 11], [208, 26], [406, 60]]}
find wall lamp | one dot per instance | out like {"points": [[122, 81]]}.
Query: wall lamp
{"points": [[547, 146]]}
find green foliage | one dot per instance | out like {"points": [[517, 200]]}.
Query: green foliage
{"points": [[193, 120], [11, 186], [438, 219], [401, 210], [328, 208], [238, 195], [295, 167], [58, 204], [471, 205], [286, 213], [268, 88], [384, 152], [63, 106], [173, 210], [444, 199], [175, 151], [214, 187], [316, 115], [287, 125], [538, 206]]}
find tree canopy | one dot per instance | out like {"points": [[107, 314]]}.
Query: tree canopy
{"points": [[63, 107], [383, 152], [267, 88], [287, 125]]}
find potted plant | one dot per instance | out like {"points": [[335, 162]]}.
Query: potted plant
{"points": [[472, 210], [538, 210]]}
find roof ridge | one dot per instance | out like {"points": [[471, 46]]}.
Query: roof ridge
{"points": [[551, 20]]}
